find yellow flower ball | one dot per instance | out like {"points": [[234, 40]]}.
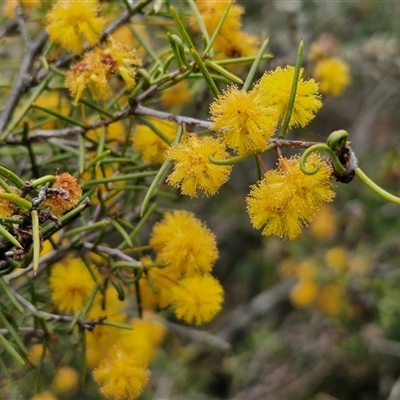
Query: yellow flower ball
{"points": [[65, 380], [304, 293]]}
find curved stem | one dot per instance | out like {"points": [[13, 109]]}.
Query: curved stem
{"points": [[230, 160], [323, 148], [377, 189]]}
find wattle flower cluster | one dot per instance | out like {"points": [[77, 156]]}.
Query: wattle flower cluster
{"points": [[187, 250]]}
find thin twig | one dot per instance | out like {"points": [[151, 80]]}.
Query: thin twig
{"points": [[116, 253], [83, 323], [21, 84], [40, 135]]}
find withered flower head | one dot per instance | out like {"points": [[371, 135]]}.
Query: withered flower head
{"points": [[65, 199]]}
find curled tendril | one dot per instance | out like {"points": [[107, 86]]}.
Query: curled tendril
{"points": [[337, 140], [230, 160], [323, 148]]}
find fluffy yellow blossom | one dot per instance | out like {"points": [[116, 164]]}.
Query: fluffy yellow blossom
{"points": [[211, 12], [236, 44], [122, 374], [332, 75], [58, 203], [338, 258], [71, 285], [231, 42], [144, 338], [149, 145], [120, 60], [177, 95], [72, 22], [185, 243], [193, 172], [304, 293], [287, 199], [275, 87], [197, 299], [65, 380], [91, 72], [324, 226], [242, 120]]}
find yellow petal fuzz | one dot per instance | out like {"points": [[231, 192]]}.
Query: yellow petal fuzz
{"points": [[121, 60], [72, 22], [193, 172], [184, 243], [211, 12], [243, 121], [149, 145], [71, 285], [275, 87], [333, 76], [90, 73], [230, 42], [236, 44], [122, 374], [197, 299], [287, 199], [144, 338]]}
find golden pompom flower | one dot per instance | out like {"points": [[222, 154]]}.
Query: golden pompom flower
{"points": [[72, 22], [197, 299], [184, 243], [122, 374], [275, 88], [193, 172]]}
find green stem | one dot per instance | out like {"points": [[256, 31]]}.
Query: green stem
{"points": [[223, 71], [292, 97], [185, 36], [19, 201], [211, 41], [204, 71], [19, 183], [254, 67], [231, 160], [377, 189]]}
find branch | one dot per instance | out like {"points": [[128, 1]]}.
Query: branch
{"points": [[21, 83], [83, 323]]}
